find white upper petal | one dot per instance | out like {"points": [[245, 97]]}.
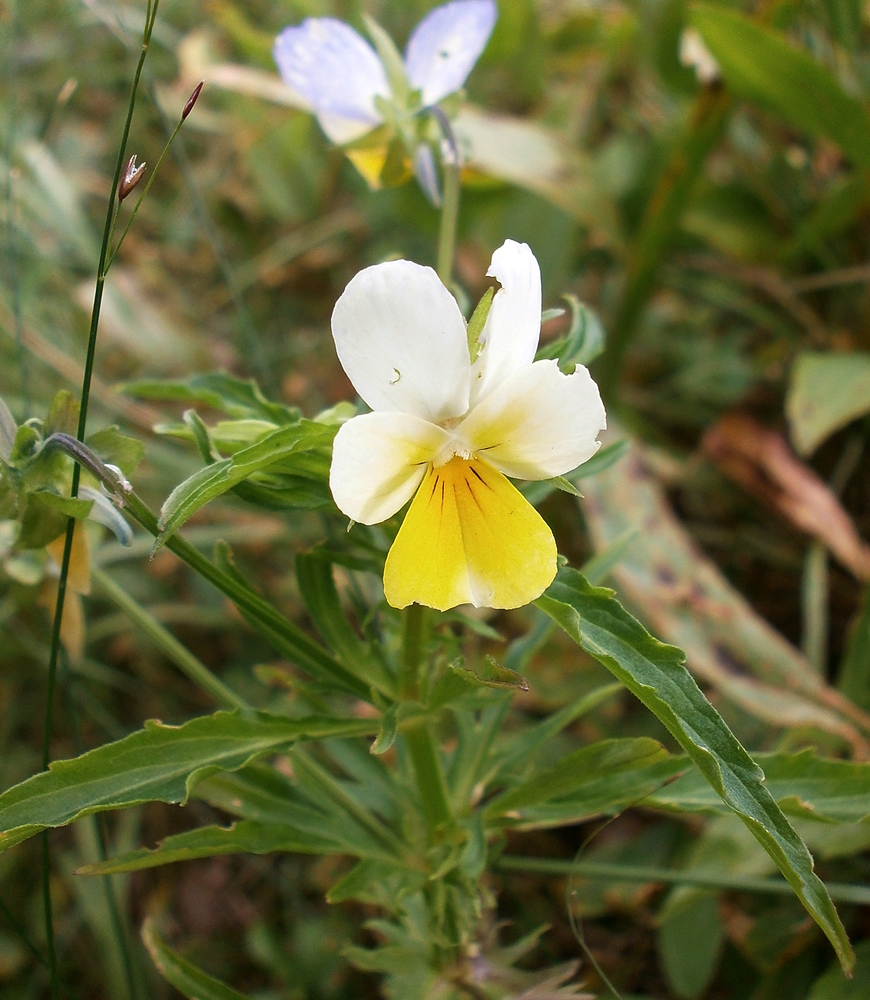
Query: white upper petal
{"points": [[446, 44], [401, 339], [510, 337], [378, 461], [538, 423], [334, 69]]}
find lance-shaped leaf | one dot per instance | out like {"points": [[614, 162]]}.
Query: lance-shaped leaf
{"points": [[158, 763], [804, 784], [184, 975], [760, 64], [656, 675], [603, 777], [241, 837], [238, 398], [204, 485]]}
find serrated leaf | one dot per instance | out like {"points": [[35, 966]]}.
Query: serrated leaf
{"points": [[656, 675], [262, 795], [158, 763], [241, 837], [216, 479], [760, 64], [804, 784], [238, 398], [826, 391], [182, 974], [593, 763]]}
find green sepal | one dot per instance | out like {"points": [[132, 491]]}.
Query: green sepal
{"points": [[477, 323], [583, 342], [391, 58]]}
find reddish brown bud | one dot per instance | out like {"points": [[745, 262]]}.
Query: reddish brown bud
{"points": [[192, 100], [132, 176]]}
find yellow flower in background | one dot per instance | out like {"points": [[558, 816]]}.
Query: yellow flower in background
{"points": [[448, 431]]}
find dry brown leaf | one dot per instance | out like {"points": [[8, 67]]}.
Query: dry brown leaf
{"points": [[764, 465]]}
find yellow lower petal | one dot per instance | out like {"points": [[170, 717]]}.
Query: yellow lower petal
{"points": [[469, 537], [370, 163]]}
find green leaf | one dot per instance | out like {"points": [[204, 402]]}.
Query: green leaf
{"points": [[389, 730], [63, 415], [183, 975], [832, 986], [238, 398], [583, 342], [242, 837], [158, 763], [690, 941], [317, 586], [68, 506], [597, 762], [493, 675], [826, 391], [656, 675], [762, 65], [116, 448], [854, 674], [804, 784], [213, 480], [262, 795]]}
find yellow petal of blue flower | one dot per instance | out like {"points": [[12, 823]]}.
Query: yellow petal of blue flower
{"points": [[469, 537]]}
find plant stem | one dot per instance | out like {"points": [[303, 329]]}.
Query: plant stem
{"points": [[430, 775], [145, 191], [413, 629], [150, 16], [452, 166], [289, 639], [189, 665], [449, 215]]}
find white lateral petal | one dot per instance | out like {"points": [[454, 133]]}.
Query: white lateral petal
{"points": [[510, 337], [334, 69], [446, 44], [538, 423], [378, 461], [401, 339]]}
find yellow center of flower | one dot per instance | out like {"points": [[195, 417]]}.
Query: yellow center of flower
{"points": [[469, 537]]}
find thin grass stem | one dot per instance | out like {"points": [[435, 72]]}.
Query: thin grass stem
{"points": [[166, 642], [150, 17], [838, 891]]}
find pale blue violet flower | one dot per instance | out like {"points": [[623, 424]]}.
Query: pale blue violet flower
{"points": [[353, 90]]}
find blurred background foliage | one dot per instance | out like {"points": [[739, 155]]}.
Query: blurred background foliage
{"points": [[719, 229]]}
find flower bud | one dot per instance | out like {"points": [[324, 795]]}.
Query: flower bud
{"points": [[192, 100], [132, 176]]}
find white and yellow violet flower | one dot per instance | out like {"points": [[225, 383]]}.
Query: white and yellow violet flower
{"points": [[447, 430]]}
